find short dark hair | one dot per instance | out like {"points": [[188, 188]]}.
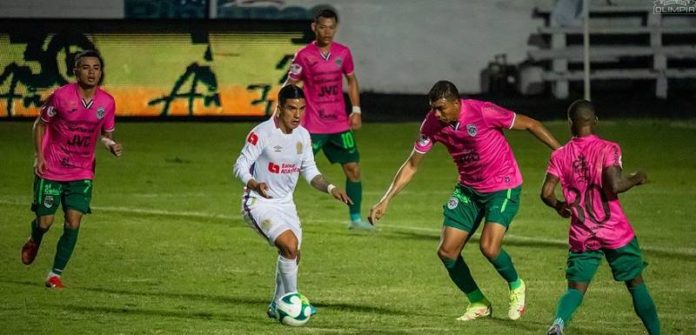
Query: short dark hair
{"points": [[581, 111], [88, 53], [326, 13], [289, 92], [443, 89]]}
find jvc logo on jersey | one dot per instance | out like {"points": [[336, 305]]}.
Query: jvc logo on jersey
{"points": [[328, 90], [469, 157], [78, 140]]}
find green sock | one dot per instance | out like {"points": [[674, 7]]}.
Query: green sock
{"points": [[354, 191], [569, 302], [65, 248], [461, 276], [37, 232], [503, 264], [645, 308]]}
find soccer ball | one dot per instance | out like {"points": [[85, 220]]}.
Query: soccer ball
{"points": [[293, 309]]}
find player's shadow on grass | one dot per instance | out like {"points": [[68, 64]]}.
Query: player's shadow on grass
{"points": [[226, 300], [428, 236], [150, 312], [522, 324]]}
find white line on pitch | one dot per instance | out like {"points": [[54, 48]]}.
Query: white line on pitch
{"points": [[203, 215]]}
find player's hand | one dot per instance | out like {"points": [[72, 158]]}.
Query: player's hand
{"points": [[260, 188], [640, 176], [563, 210], [115, 149], [39, 165], [355, 121], [377, 212], [341, 196]]}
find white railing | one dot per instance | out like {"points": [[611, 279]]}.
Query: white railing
{"points": [[618, 20]]}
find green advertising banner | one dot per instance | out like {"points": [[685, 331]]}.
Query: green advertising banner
{"points": [[153, 69]]}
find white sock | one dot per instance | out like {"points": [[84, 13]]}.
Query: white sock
{"points": [[279, 288], [288, 273], [52, 274]]}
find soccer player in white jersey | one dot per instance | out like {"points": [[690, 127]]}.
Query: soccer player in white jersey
{"points": [[275, 154]]}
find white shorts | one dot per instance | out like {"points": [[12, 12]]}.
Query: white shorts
{"points": [[270, 218]]}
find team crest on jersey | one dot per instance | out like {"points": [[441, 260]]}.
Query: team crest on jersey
{"points": [[471, 130], [338, 61], [100, 113], [48, 201], [452, 203], [299, 148], [295, 68], [50, 111]]}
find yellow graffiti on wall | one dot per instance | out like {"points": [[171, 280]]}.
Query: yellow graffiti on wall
{"points": [[153, 75]]}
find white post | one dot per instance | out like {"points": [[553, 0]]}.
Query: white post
{"points": [[586, 46], [212, 9]]}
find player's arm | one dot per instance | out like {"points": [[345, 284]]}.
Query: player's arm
{"points": [[39, 130], [354, 96], [291, 81], [107, 139], [523, 122], [548, 196], [401, 179], [616, 183], [242, 167], [320, 183]]}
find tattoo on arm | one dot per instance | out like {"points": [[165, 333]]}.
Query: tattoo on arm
{"points": [[320, 183]]}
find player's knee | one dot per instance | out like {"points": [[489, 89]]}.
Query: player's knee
{"points": [[72, 224], [46, 221], [72, 221], [489, 250], [352, 171], [289, 251], [446, 253], [635, 282]]}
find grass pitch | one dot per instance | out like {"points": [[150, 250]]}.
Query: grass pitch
{"points": [[166, 252]]}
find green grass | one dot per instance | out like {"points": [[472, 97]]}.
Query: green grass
{"points": [[166, 251]]}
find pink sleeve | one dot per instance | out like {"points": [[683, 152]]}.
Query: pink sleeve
{"points": [[425, 140], [497, 116], [612, 156], [110, 119], [297, 67], [48, 110], [348, 67], [553, 169]]}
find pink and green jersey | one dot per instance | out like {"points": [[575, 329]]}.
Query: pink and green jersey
{"points": [[476, 142], [598, 221], [322, 77], [73, 127]]}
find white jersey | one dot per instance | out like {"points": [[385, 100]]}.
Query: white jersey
{"points": [[277, 159]]}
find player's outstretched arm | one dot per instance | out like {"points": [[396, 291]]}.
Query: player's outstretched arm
{"points": [[107, 138], [39, 130], [616, 183], [548, 196], [523, 122], [321, 184], [401, 179], [354, 96]]}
